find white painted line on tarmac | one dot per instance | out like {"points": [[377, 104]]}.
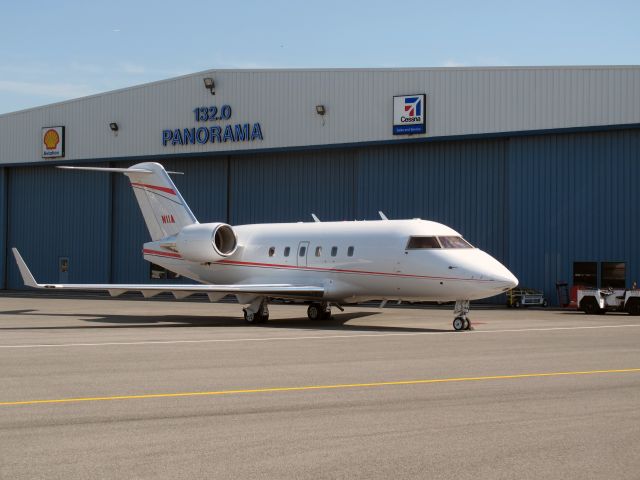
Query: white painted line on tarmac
{"points": [[316, 337]]}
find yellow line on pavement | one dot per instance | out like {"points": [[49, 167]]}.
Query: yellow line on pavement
{"points": [[317, 387]]}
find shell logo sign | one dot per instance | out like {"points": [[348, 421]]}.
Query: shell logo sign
{"points": [[51, 139], [52, 142]]}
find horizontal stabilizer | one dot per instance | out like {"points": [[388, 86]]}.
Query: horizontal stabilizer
{"points": [[301, 292], [116, 170]]}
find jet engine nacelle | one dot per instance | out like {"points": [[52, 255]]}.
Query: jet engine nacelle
{"points": [[206, 242]]}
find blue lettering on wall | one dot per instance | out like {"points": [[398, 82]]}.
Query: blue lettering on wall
{"points": [[202, 135], [215, 134], [228, 134], [240, 132], [177, 137], [256, 133], [189, 135]]}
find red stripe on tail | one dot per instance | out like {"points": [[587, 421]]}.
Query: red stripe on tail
{"points": [[154, 187]]}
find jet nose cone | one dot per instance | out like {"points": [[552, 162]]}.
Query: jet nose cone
{"points": [[506, 278]]}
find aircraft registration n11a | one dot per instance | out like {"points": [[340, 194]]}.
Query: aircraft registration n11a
{"points": [[322, 264]]}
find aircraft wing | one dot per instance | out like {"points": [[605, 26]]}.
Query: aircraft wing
{"points": [[215, 292]]}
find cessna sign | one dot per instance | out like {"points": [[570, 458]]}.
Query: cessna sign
{"points": [[409, 112]]}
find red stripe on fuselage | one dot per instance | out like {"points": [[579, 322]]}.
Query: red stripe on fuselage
{"points": [[159, 253], [154, 187], [340, 270]]}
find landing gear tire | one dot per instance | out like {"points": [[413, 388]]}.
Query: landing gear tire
{"points": [[254, 318], [459, 323], [467, 324], [317, 311], [314, 312], [250, 317], [261, 316]]}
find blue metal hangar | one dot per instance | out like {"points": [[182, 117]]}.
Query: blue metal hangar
{"points": [[538, 166]]}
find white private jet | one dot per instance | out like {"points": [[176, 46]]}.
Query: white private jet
{"points": [[323, 264]]}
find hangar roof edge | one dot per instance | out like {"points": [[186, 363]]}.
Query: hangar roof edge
{"points": [[319, 70]]}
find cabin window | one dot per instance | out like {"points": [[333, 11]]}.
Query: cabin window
{"points": [[454, 242], [272, 251], [334, 251], [350, 251], [422, 242], [303, 251], [318, 251], [287, 250]]}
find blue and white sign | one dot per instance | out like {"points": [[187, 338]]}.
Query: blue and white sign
{"points": [[409, 114]]}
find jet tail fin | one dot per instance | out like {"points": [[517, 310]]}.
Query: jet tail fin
{"points": [[164, 210]]}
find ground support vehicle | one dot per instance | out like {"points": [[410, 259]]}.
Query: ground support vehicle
{"points": [[525, 297], [595, 301]]}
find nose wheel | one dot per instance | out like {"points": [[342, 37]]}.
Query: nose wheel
{"points": [[461, 321]]}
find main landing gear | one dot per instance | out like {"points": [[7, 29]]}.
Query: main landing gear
{"points": [[461, 322], [319, 311], [257, 312]]}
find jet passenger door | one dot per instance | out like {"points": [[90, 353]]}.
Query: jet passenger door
{"points": [[303, 251]]}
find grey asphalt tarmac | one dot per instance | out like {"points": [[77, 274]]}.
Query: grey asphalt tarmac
{"points": [[220, 407]]}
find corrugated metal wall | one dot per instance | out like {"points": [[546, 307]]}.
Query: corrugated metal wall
{"points": [[290, 187], [460, 184], [53, 214], [573, 198], [3, 227], [537, 203], [359, 108]]}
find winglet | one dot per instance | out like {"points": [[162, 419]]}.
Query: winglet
{"points": [[27, 277]]}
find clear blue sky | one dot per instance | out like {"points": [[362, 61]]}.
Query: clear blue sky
{"points": [[53, 51]]}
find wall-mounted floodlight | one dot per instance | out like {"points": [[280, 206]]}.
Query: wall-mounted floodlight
{"points": [[114, 127], [210, 85], [320, 109]]}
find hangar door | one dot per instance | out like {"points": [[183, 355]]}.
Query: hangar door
{"points": [[54, 215]]}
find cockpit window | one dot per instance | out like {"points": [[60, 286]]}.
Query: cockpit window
{"points": [[454, 242], [422, 242]]}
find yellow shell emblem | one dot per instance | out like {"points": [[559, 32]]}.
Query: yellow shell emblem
{"points": [[51, 139]]}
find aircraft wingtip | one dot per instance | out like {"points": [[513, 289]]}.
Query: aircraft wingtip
{"points": [[27, 277]]}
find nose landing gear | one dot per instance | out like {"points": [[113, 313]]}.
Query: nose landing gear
{"points": [[461, 321]]}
